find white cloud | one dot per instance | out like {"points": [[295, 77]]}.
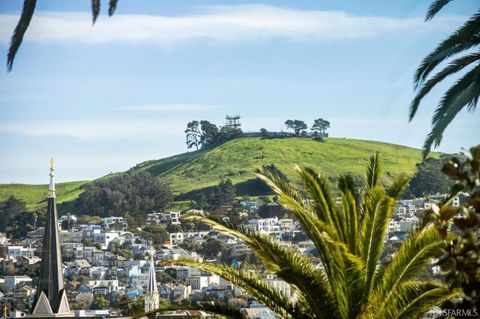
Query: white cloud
{"points": [[168, 107], [215, 24], [98, 129]]}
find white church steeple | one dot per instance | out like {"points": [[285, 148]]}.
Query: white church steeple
{"points": [[152, 298]]}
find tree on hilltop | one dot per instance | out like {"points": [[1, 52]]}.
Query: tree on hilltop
{"points": [[210, 134], [320, 127], [193, 134], [296, 125]]}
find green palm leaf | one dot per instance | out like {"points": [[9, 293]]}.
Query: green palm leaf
{"points": [[95, 10], [414, 254], [378, 209], [464, 93], [435, 7], [461, 40], [454, 67], [20, 30], [374, 168], [417, 297], [287, 263], [257, 287], [112, 6]]}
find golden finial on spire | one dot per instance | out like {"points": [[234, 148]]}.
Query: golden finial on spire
{"points": [[52, 164]]}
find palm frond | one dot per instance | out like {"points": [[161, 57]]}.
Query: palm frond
{"points": [[322, 235], [455, 66], [414, 254], [249, 281], [456, 91], [350, 219], [287, 263], [355, 275], [223, 309], [319, 192], [20, 30], [95, 10], [398, 186], [346, 184], [373, 171], [112, 6], [464, 92], [162, 308], [378, 209], [435, 7], [421, 301], [464, 38]]}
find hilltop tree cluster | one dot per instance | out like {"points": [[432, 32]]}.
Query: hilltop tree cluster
{"points": [[318, 129], [204, 133], [199, 134]]}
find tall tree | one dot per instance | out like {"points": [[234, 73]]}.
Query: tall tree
{"points": [[210, 134], [320, 126], [296, 125], [27, 15], [348, 234], [10, 210], [461, 46], [193, 134]]}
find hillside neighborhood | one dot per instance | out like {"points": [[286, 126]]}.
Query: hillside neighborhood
{"points": [[107, 267]]}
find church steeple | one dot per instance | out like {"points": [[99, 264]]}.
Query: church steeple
{"points": [[152, 298], [51, 186], [51, 299]]}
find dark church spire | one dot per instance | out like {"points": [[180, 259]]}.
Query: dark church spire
{"points": [[51, 299]]}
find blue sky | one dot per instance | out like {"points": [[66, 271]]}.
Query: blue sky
{"points": [[103, 98]]}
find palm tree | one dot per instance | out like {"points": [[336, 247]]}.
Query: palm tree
{"points": [[350, 281], [26, 17], [463, 44]]}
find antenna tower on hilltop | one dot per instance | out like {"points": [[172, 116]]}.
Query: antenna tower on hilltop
{"points": [[233, 121]]}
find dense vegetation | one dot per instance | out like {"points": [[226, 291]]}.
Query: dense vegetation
{"points": [[17, 220], [428, 179], [135, 193], [461, 260]]}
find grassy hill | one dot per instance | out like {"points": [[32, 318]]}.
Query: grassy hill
{"points": [[237, 159], [35, 195]]}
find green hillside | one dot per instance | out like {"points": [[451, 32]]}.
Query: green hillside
{"points": [[238, 159], [35, 195]]}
